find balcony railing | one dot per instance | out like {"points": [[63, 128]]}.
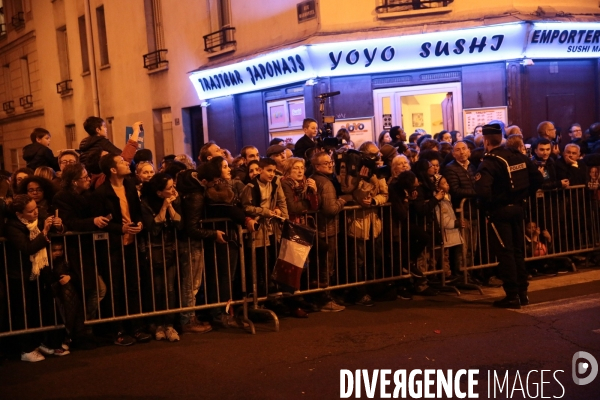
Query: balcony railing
{"points": [[219, 40], [156, 59], [64, 87], [18, 20], [8, 107], [408, 5], [26, 101]]}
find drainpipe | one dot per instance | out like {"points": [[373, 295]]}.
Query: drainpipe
{"points": [[92, 58]]}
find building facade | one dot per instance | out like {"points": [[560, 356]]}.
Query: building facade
{"points": [[241, 72]]}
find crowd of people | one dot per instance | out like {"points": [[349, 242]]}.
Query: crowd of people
{"points": [[165, 252]]}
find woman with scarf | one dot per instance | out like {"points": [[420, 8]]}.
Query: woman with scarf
{"points": [[301, 197], [28, 262]]}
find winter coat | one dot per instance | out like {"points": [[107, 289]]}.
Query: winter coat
{"points": [[447, 220], [192, 206], [551, 180], [299, 204], [75, 210], [92, 144], [17, 236], [162, 235], [461, 181], [38, 155], [360, 223], [329, 205], [251, 203]]}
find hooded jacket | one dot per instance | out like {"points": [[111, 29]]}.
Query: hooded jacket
{"points": [[38, 155], [92, 144]]}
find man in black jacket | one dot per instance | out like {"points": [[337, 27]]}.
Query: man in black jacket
{"points": [[460, 174], [117, 199]]}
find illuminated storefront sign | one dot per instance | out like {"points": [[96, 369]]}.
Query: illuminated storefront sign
{"points": [[263, 72], [402, 53], [564, 40], [429, 50]]}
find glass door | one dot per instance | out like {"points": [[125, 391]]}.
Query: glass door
{"points": [[432, 108]]}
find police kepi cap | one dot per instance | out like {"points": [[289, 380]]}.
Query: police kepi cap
{"points": [[275, 149], [492, 129]]}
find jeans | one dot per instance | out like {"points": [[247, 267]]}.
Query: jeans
{"points": [[191, 266]]}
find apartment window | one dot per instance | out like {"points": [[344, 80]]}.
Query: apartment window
{"points": [[63, 53], [17, 15], [7, 83], [154, 25], [70, 134], [85, 60], [2, 19], [102, 36], [224, 10], [14, 159], [157, 53], [25, 79]]}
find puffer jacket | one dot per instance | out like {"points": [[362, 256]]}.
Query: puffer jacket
{"points": [[329, 205]]}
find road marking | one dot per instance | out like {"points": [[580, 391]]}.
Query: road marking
{"points": [[562, 306]]}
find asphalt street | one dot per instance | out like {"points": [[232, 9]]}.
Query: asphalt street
{"points": [[303, 360]]}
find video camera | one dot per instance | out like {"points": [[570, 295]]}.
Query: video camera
{"points": [[354, 161], [326, 138]]}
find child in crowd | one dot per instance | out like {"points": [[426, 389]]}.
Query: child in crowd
{"points": [[38, 153], [450, 227], [263, 199]]}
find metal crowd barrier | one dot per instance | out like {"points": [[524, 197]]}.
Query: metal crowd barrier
{"points": [[152, 277], [570, 217], [165, 275]]}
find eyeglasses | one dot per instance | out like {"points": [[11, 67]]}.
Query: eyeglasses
{"points": [[85, 177], [35, 190], [67, 162], [326, 163]]}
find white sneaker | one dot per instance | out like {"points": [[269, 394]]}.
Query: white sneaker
{"points": [[45, 350], [34, 356], [332, 306], [160, 333], [172, 334]]}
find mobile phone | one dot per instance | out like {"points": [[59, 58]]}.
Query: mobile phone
{"points": [[141, 128], [109, 217], [133, 225]]}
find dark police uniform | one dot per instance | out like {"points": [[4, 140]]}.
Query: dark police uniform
{"points": [[504, 179]]}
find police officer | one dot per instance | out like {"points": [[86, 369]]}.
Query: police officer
{"points": [[504, 179]]}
